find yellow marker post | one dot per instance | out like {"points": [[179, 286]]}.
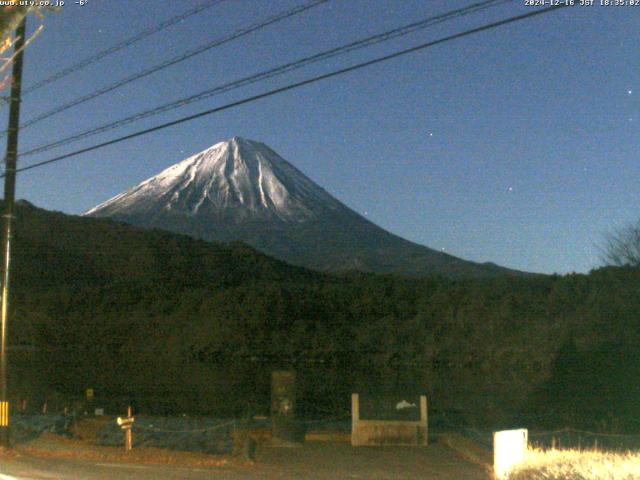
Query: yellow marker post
{"points": [[4, 414]]}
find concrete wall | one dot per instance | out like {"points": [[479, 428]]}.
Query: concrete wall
{"points": [[388, 432]]}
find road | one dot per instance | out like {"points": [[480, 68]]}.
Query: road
{"points": [[33, 468], [314, 461]]}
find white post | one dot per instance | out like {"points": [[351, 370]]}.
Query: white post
{"points": [[509, 449], [355, 418], [424, 417], [355, 408]]}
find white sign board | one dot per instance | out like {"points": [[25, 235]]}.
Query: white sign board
{"points": [[125, 423], [509, 449]]}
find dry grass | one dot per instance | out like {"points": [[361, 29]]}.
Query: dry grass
{"points": [[49, 445], [577, 465], [86, 429]]}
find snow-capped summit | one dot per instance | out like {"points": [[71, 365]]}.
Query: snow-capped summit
{"points": [[231, 176], [242, 190]]}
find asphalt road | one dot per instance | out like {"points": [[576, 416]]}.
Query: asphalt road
{"points": [[314, 461], [33, 468]]}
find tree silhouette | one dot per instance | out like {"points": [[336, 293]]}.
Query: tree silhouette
{"points": [[622, 247]]}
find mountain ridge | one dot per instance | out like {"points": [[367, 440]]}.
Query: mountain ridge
{"points": [[242, 190]]}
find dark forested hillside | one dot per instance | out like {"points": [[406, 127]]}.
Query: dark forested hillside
{"points": [[175, 324]]}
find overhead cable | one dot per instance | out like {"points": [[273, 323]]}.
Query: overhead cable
{"points": [[85, 62], [173, 61], [295, 85], [266, 74]]}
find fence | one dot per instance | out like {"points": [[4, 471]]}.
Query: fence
{"points": [[183, 433], [565, 438], [178, 433], [581, 439], [26, 427]]}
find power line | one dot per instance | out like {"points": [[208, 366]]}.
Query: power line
{"points": [[293, 86], [119, 46], [175, 60], [282, 69]]}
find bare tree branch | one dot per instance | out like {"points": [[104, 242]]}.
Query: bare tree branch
{"points": [[622, 247]]}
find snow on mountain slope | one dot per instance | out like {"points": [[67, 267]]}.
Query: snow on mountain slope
{"points": [[230, 175]]}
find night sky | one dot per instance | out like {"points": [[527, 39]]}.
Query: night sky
{"points": [[518, 145]]}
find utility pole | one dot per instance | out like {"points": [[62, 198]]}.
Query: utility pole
{"points": [[9, 200]]}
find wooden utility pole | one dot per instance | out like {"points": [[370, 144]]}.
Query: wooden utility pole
{"points": [[9, 200]]}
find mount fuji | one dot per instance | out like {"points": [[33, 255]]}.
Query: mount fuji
{"points": [[241, 190]]}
